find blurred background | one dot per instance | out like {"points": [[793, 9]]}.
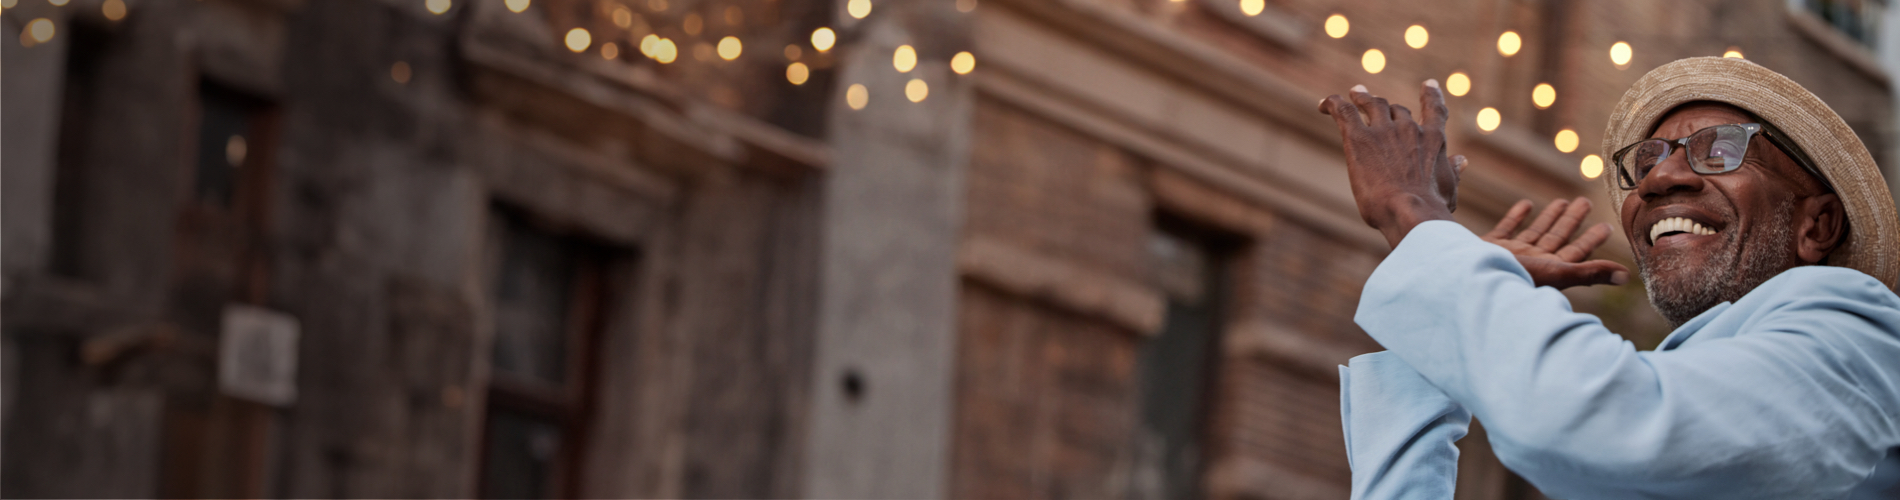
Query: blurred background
{"points": [[765, 248]]}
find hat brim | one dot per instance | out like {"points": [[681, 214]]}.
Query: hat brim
{"points": [[1872, 243]]}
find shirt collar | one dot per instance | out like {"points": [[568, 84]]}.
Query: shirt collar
{"points": [[1682, 333]]}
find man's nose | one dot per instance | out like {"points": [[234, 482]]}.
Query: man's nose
{"points": [[1670, 176]]}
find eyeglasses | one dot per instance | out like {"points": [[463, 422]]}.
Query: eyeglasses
{"points": [[1714, 150]]}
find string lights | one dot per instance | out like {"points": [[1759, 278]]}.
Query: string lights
{"points": [[1253, 7], [857, 96], [1458, 84], [823, 38], [1733, 53], [516, 6], [437, 7], [963, 63], [1620, 54], [916, 90], [1489, 119], [1591, 167], [1543, 95], [1416, 37], [1566, 140], [730, 47], [905, 59], [1373, 61], [1509, 43], [1337, 26]]}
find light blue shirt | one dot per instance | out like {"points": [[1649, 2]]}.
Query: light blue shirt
{"points": [[1793, 391]]}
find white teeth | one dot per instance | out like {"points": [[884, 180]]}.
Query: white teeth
{"points": [[1675, 224]]}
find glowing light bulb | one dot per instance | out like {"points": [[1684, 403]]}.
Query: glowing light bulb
{"points": [[1253, 7], [665, 51], [1543, 95], [963, 63], [1417, 37], [400, 72], [823, 38], [1337, 26], [1509, 43], [1489, 119], [113, 9], [905, 59], [1733, 53], [1374, 61], [1592, 166], [916, 90], [437, 7], [797, 73], [1620, 53], [578, 39], [1458, 84], [517, 6], [858, 8], [729, 48], [38, 31], [857, 96], [1566, 140]]}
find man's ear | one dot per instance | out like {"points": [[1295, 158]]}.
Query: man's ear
{"points": [[1820, 226]]}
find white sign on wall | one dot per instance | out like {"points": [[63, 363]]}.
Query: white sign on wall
{"points": [[257, 355]]}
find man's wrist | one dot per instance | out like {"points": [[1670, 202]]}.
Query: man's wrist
{"points": [[1407, 211]]}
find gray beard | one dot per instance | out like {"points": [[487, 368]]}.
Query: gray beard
{"points": [[1692, 291]]}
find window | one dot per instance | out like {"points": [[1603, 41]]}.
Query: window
{"points": [[1176, 366], [548, 295], [1858, 19]]}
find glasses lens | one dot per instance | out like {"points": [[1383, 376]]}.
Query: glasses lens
{"points": [[1640, 159], [1718, 149]]}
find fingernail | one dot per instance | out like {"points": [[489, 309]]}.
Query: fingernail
{"points": [[1431, 82], [1462, 162], [1360, 89], [1619, 277]]}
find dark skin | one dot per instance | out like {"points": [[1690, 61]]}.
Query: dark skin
{"points": [[1401, 177], [1742, 200]]}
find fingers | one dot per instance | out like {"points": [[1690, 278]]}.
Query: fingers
{"points": [[1344, 112], [1512, 218], [1378, 112], [1585, 243], [1566, 225], [1400, 114], [1543, 222], [1431, 105], [1560, 275], [1458, 167]]}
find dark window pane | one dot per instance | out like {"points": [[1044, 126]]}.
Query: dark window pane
{"points": [[532, 295], [1174, 368], [224, 120], [522, 452]]}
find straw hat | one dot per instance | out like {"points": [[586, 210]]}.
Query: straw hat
{"points": [[1873, 236]]}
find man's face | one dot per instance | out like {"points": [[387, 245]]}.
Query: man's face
{"points": [[1750, 211]]}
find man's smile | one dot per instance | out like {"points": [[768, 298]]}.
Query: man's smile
{"points": [[1679, 226]]}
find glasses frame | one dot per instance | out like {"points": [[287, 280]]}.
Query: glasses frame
{"points": [[1775, 138]]}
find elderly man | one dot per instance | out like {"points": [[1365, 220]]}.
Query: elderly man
{"points": [[1763, 231]]}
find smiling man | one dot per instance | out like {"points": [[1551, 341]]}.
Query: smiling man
{"points": [[1763, 231]]}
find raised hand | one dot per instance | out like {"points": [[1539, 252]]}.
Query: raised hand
{"points": [[1548, 251], [1399, 171]]}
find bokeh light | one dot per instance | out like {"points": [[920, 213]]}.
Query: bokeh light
{"points": [[1543, 95], [823, 38], [1733, 53], [905, 59], [113, 9], [1620, 53], [1566, 140], [1253, 7], [517, 6], [1373, 61], [1509, 43], [963, 63], [857, 96], [1337, 26], [610, 51], [37, 31], [665, 51], [729, 48], [578, 39], [916, 90], [1458, 84], [1416, 37], [437, 7], [858, 8], [400, 72], [1592, 166], [1489, 119], [797, 73]]}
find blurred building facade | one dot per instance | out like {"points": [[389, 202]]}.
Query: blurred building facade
{"points": [[761, 248]]}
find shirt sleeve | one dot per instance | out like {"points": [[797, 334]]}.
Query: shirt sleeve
{"points": [[1400, 431], [1801, 407]]}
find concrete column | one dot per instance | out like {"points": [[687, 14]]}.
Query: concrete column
{"points": [[883, 382]]}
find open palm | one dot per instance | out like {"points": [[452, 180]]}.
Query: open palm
{"points": [[1548, 251]]}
